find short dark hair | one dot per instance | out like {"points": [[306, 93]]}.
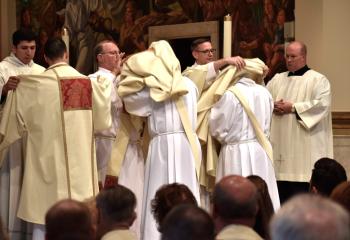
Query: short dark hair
{"points": [[167, 197], [188, 222], [68, 219], [116, 204], [55, 48], [197, 42], [228, 207], [326, 175], [23, 35]]}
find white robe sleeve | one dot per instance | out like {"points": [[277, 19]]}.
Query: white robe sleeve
{"points": [[220, 118], [139, 104], [313, 111], [2, 81], [101, 103], [12, 127]]}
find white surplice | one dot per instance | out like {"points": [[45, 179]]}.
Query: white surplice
{"points": [[104, 139], [298, 144], [11, 171], [241, 153], [170, 158], [132, 176]]}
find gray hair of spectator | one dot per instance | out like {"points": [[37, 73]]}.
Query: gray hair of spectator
{"points": [[310, 217]]}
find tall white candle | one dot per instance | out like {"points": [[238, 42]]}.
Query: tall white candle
{"points": [[227, 36], [65, 38]]}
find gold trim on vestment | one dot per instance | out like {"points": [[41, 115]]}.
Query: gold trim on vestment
{"points": [[64, 134]]}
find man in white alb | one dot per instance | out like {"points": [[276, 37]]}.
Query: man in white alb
{"points": [[152, 86], [203, 53], [20, 61], [301, 127], [107, 55], [118, 161], [241, 153]]}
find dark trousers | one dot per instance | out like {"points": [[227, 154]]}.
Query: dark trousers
{"points": [[287, 189]]}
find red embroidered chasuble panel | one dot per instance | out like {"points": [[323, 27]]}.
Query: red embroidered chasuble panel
{"points": [[76, 94]]}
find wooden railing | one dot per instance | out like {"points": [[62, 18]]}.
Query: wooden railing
{"points": [[341, 123]]}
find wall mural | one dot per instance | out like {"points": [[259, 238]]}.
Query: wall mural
{"points": [[257, 25]]}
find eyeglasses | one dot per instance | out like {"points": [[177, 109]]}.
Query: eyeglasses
{"points": [[212, 51]]}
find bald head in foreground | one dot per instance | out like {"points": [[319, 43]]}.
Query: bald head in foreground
{"points": [[310, 217], [235, 203], [69, 219]]}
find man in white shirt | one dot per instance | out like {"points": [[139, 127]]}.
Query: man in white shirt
{"points": [[203, 53], [19, 62], [116, 162], [108, 59], [301, 127]]}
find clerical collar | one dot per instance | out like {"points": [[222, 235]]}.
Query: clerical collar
{"points": [[59, 64], [299, 72]]}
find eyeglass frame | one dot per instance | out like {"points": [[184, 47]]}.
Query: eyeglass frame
{"points": [[212, 51]]}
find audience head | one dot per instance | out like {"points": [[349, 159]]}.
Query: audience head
{"points": [[341, 195], [23, 45], [107, 55], [90, 203], [265, 207], [55, 50], [68, 220], [169, 196], [295, 56], [116, 209], [202, 51], [310, 217], [326, 175], [235, 201], [187, 222]]}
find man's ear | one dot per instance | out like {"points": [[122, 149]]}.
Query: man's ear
{"points": [[99, 58], [314, 190], [132, 218], [195, 54], [66, 57], [47, 60], [14, 48]]}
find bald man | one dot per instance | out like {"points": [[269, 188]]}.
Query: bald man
{"points": [[301, 125], [67, 219], [235, 205]]}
